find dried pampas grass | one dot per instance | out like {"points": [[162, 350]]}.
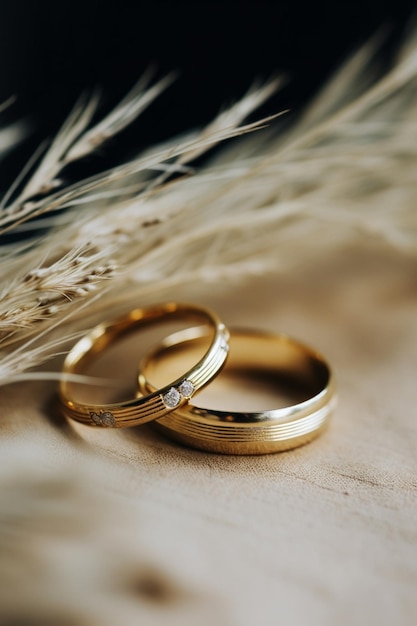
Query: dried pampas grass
{"points": [[148, 229]]}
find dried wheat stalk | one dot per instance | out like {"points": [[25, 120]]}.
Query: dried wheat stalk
{"points": [[145, 229]]}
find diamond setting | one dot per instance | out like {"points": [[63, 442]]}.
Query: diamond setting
{"points": [[172, 398], [104, 418], [186, 389]]}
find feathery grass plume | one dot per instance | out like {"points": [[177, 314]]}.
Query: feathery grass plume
{"points": [[49, 274], [44, 290], [345, 170]]}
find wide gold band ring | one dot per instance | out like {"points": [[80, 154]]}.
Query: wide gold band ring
{"points": [[255, 360], [159, 402]]}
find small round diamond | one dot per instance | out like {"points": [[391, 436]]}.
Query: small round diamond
{"points": [[186, 389], [172, 398]]}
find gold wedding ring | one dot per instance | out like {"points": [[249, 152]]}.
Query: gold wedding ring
{"points": [[156, 403], [257, 358]]}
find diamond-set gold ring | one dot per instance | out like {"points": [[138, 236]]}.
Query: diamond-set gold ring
{"points": [[156, 404]]}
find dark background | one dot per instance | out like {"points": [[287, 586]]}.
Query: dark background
{"points": [[51, 51]]}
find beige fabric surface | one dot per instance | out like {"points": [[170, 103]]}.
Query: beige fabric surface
{"points": [[106, 527]]}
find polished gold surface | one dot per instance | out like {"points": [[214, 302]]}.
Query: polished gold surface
{"points": [[260, 367], [139, 410]]}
